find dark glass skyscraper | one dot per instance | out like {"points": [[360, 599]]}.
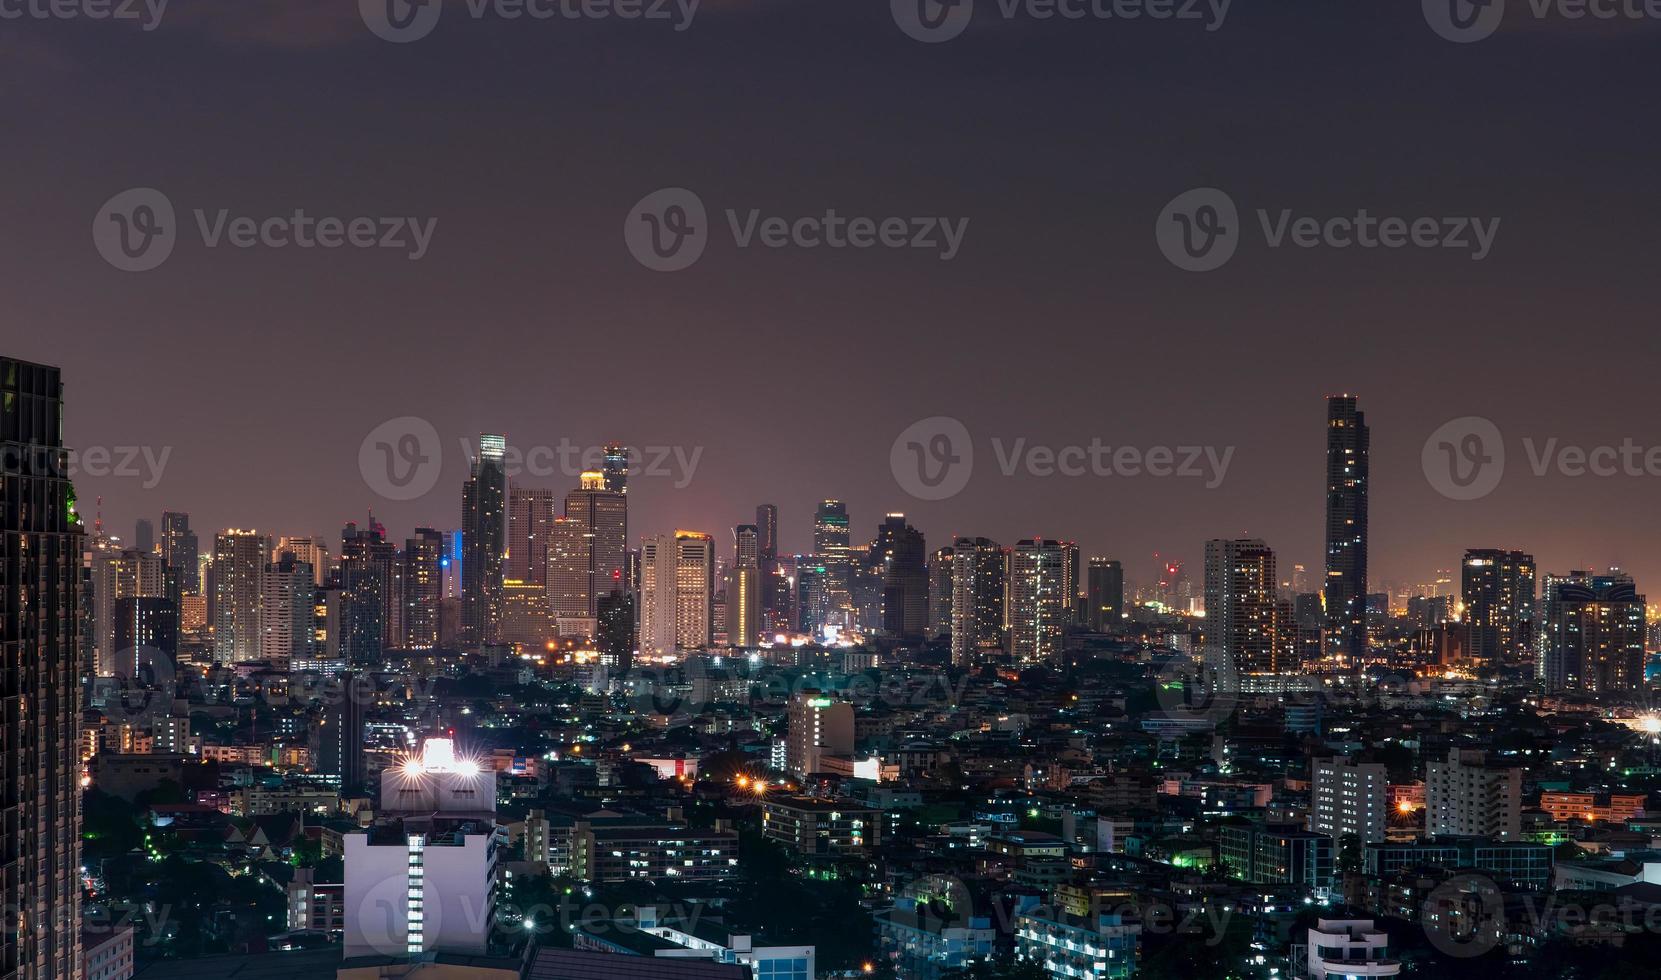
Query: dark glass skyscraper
{"points": [[40, 622], [178, 554], [484, 539], [1346, 528], [1105, 586], [903, 560], [1497, 588]]}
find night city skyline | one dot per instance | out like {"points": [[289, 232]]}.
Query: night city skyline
{"points": [[826, 490]]}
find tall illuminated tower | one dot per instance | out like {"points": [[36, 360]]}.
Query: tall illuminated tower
{"points": [[744, 624], [1346, 528], [599, 518], [484, 543]]}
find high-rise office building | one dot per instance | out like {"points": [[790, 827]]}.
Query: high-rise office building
{"points": [[744, 622], [41, 543], [144, 535], [1040, 606], [902, 558], [694, 589], [977, 599], [567, 569], [600, 516], [422, 593], [341, 735], [147, 637], [832, 546], [179, 553], [940, 593], [1240, 607], [1468, 797], [767, 534], [287, 612], [677, 592], [812, 596], [1348, 798], [366, 583], [1105, 589], [1593, 634], [1497, 589], [614, 629], [1347, 448], [239, 560], [484, 541], [615, 470], [531, 513], [118, 575]]}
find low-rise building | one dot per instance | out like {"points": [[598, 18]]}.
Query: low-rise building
{"points": [[810, 825]]}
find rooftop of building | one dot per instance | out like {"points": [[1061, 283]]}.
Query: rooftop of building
{"points": [[567, 964]]}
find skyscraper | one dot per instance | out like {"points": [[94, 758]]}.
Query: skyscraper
{"points": [[1346, 528], [239, 560], [40, 564], [940, 593], [1039, 604], [144, 535], [901, 557], [423, 588], [530, 518], [614, 629], [616, 468], [287, 612], [600, 518], [677, 591], [178, 554], [484, 540], [1240, 607], [744, 622], [1593, 636], [1497, 589], [694, 589], [118, 575], [366, 594], [567, 569], [831, 545], [977, 599], [1105, 589]]}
